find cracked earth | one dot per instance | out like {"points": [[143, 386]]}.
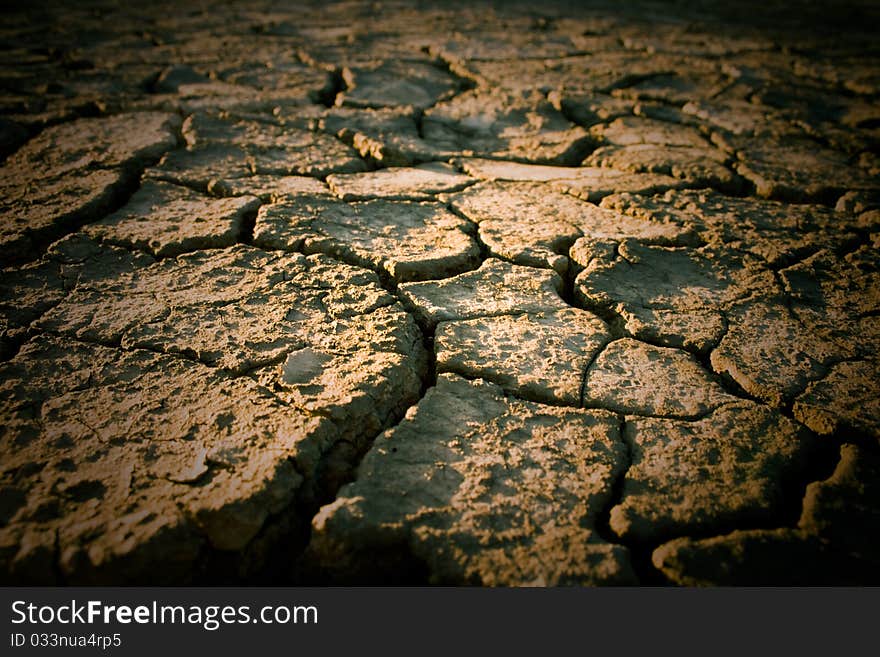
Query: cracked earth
{"points": [[449, 294]]}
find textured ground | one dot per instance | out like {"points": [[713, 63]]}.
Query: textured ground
{"points": [[533, 294]]}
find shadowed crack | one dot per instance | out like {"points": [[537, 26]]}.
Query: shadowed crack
{"points": [[330, 94], [248, 221], [639, 554]]}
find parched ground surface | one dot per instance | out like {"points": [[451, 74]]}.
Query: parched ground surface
{"points": [[526, 294]]}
